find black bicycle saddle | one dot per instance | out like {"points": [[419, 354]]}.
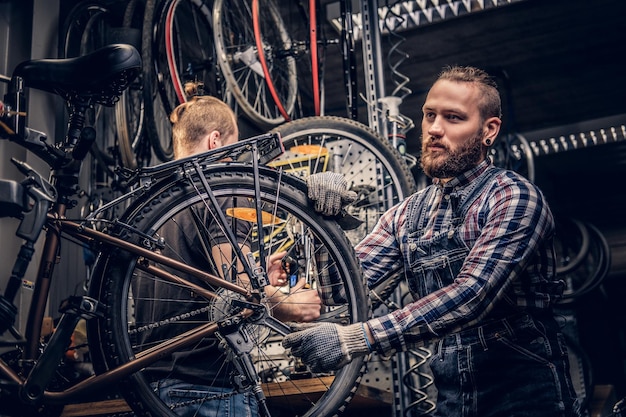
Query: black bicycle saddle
{"points": [[100, 76]]}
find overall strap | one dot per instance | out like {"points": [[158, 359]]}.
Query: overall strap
{"points": [[475, 190]]}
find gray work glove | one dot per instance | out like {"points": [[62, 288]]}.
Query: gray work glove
{"points": [[329, 191], [327, 347]]}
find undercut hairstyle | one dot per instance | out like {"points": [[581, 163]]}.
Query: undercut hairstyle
{"points": [[194, 119], [490, 104]]}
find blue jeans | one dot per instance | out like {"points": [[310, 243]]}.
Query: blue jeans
{"points": [[516, 367], [181, 396]]}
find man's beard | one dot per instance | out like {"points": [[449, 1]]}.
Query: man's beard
{"points": [[449, 164]]}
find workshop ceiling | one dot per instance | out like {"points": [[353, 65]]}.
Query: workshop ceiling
{"points": [[559, 62]]}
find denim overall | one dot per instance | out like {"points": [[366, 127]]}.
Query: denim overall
{"points": [[513, 364], [188, 400]]}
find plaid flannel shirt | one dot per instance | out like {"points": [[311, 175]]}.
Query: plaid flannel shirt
{"points": [[509, 231]]}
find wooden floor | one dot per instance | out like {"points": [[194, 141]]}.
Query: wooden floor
{"points": [[366, 402], [100, 408], [366, 399]]}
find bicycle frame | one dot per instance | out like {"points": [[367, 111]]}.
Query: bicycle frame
{"points": [[33, 387]]}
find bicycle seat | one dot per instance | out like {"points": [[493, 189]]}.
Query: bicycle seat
{"points": [[100, 76]]}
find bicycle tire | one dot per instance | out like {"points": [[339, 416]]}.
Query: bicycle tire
{"points": [[113, 282], [258, 40], [590, 271], [129, 117], [157, 127], [82, 31], [90, 26], [513, 152], [571, 244], [76, 22], [239, 60], [129, 110], [371, 165], [315, 62], [185, 34]]}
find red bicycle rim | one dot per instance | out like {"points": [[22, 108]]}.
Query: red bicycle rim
{"points": [[261, 54]]}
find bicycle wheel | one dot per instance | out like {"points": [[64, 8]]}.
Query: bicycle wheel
{"points": [[84, 26], [266, 101], [129, 117], [584, 258], [118, 283], [512, 151], [90, 26], [157, 125], [373, 168], [185, 34], [129, 111]]}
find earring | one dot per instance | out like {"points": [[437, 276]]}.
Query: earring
{"points": [[488, 142]]}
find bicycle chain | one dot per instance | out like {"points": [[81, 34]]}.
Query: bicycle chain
{"points": [[170, 320]]}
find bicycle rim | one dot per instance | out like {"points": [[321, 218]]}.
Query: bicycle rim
{"points": [[239, 60], [187, 38], [157, 125], [129, 111], [81, 19], [290, 226], [129, 116], [315, 78], [373, 168], [90, 26]]}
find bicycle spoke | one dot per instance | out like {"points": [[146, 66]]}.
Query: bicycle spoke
{"points": [[156, 305], [249, 61]]}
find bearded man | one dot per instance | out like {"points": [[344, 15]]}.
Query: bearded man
{"points": [[476, 248]]}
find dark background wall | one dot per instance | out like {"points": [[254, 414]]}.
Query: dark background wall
{"points": [[560, 66]]}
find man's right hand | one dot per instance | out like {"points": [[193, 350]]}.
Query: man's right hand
{"points": [[326, 347]]}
